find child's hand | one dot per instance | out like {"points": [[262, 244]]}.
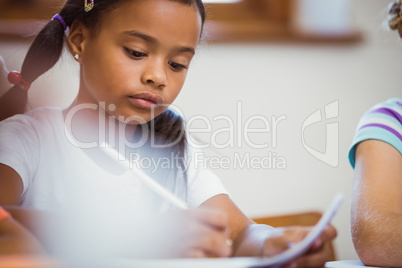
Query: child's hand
{"points": [[316, 256], [194, 233]]}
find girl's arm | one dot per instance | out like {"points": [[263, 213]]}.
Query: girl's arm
{"points": [[10, 186], [376, 211], [251, 239]]}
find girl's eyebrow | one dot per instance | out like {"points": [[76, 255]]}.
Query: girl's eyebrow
{"points": [[146, 37], [153, 40]]}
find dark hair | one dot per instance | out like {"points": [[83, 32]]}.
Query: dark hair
{"points": [[394, 19], [47, 48]]}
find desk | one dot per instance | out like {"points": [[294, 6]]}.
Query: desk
{"points": [[344, 264], [36, 262], [18, 261]]}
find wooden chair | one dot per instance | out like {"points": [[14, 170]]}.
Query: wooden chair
{"points": [[300, 219]]}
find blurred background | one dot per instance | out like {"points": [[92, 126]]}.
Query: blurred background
{"points": [[283, 59]]}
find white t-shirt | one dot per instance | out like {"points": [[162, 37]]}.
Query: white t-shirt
{"points": [[55, 172]]}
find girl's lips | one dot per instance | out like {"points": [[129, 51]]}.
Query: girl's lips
{"points": [[146, 100]]}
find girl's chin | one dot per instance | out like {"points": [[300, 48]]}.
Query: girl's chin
{"points": [[136, 118]]}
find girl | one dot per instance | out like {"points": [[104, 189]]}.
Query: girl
{"points": [[133, 56]]}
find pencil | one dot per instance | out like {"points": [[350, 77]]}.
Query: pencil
{"points": [[152, 184]]}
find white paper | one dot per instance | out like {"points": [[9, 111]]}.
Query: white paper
{"points": [[244, 262]]}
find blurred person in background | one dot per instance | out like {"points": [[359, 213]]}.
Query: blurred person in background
{"points": [[15, 238], [376, 156]]}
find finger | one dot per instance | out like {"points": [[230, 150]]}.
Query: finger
{"points": [[215, 244], [195, 253], [213, 217], [327, 235], [209, 239], [314, 248], [291, 265], [317, 259], [274, 245], [296, 233]]}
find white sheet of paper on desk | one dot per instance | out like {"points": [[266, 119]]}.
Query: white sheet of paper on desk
{"points": [[245, 262]]}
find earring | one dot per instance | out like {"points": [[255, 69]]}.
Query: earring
{"points": [[76, 56]]}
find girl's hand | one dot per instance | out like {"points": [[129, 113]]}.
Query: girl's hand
{"points": [[194, 233], [316, 256]]}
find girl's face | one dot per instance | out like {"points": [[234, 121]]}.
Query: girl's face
{"points": [[139, 58]]}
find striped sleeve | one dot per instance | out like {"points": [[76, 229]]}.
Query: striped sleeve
{"points": [[382, 122]]}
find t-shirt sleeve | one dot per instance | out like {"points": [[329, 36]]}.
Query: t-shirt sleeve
{"points": [[19, 147], [202, 182], [382, 122]]}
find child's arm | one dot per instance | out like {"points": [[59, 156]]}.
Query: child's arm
{"points": [[10, 186], [14, 238], [376, 212], [251, 239]]}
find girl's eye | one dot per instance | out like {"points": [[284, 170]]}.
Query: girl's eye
{"points": [[135, 54], [176, 66]]}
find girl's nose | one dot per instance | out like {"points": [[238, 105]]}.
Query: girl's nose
{"points": [[155, 75]]}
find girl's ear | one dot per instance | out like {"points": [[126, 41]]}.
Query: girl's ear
{"points": [[76, 40]]}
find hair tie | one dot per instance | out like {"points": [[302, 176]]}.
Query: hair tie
{"points": [[60, 19], [15, 78], [89, 6]]}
